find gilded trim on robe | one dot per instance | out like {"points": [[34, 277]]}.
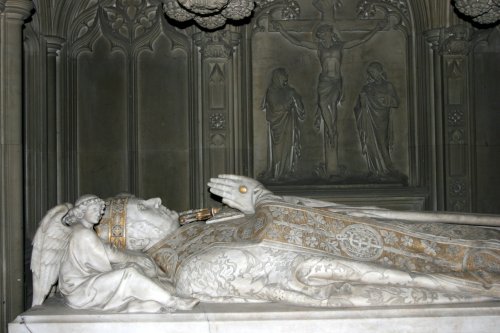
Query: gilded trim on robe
{"points": [[114, 222], [458, 251]]}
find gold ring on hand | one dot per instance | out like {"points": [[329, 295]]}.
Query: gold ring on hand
{"points": [[243, 189]]}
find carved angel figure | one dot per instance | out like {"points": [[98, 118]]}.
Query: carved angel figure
{"points": [[93, 274]]}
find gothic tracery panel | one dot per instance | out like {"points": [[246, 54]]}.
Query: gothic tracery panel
{"points": [[126, 68]]}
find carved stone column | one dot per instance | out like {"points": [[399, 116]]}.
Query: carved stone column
{"points": [[12, 16], [435, 90], [219, 109], [454, 144], [54, 45]]}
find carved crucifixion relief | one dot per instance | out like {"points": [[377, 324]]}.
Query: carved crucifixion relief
{"points": [[329, 47], [325, 36]]}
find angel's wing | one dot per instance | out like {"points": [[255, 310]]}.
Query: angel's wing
{"points": [[49, 245]]}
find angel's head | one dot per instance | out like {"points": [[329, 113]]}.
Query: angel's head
{"points": [[87, 208], [135, 223]]}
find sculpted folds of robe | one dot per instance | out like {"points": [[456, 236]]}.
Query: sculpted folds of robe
{"points": [[87, 277], [310, 252], [372, 111]]}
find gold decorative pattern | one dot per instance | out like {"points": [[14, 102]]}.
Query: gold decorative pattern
{"points": [[114, 222], [408, 247], [413, 247]]}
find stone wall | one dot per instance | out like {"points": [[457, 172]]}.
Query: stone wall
{"points": [[378, 102]]}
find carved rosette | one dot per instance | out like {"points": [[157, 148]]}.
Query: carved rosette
{"points": [[455, 117], [209, 14], [217, 121], [458, 191]]}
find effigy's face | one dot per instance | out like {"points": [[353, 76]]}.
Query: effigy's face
{"points": [[148, 221], [152, 210]]}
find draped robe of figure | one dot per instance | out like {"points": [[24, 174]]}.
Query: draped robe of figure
{"points": [[315, 253], [88, 280], [284, 110], [372, 112]]}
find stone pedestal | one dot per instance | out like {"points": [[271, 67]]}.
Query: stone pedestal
{"points": [[242, 318]]}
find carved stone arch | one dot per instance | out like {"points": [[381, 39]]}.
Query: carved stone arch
{"points": [[44, 15], [36, 21], [128, 98], [180, 40], [67, 12], [417, 12], [421, 15], [86, 30], [56, 16], [118, 27], [76, 21], [96, 19]]}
